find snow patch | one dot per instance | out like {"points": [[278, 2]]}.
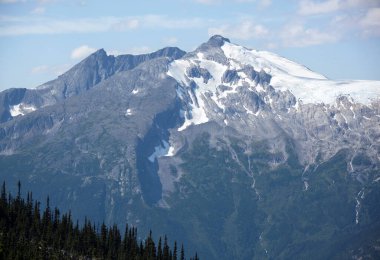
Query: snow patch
{"points": [[177, 70], [196, 114], [248, 110], [353, 112], [21, 109], [129, 112], [259, 88], [359, 197], [267, 61], [170, 151], [366, 118], [306, 184], [164, 149]]}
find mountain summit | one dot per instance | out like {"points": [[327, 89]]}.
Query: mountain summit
{"points": [[250, 155]]}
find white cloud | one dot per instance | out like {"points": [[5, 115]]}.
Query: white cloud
{"points": [[372, 18], [32, 25], [298, 36], [11, 1], [371, 22], [60, 69], [20, 25], [309, 7], [312, 7], [271, 46], [139, 50], [365, 22], [132, 50], [38, 10], [55, 70], [126, 24], [265, 3], [361, 3], [159, 21], [24, 1], [170, 40], [207, 2], [39, 69], [82, 52], [245, 30], [262, 3], [115, 52], [45, 1]]}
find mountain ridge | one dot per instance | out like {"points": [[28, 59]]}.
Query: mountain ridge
{"points": [[81, 77]]}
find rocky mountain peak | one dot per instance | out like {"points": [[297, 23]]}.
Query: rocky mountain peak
{"points": [[217, 40]]}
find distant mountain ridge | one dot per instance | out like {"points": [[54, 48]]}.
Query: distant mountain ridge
{"points": [[82, 77], [248, 154]]}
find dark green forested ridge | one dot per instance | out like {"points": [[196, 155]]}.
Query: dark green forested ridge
{"points": [[27, 232]]}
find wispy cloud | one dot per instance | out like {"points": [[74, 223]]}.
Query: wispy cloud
{"points": [[261, 3], [81, 52], [126, 24], [11, 1], [13, 26], [46, 1], [353, 23], [53, 71], [371, 22], [39, 69], [245, 30], [139, 50], [41, 2], [265, 3], [308, 7], [132, 50], [372, 18], [332, 21], [312, 7], [160, 21], [38, 10], [207, 2], [297, 35], [170, 40]]}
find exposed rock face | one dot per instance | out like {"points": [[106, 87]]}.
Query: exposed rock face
{"points": [[223, 142]]}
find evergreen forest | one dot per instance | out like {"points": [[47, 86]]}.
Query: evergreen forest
{"points": [[28, 232]]}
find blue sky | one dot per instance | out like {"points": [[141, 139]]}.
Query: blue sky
{"points": [[41, 39]]}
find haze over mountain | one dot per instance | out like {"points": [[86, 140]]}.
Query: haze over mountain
{"points": [[248, 154]]}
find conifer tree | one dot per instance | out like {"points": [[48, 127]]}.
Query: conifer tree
{"points": [[159, 249], [175, 251], [182, 256], [166, 249]]}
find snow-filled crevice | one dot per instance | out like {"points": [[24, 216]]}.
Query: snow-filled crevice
{"points": [[359, 197]]}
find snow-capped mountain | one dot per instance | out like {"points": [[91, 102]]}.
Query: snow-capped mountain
{"points": [[247, 154], [246, 89]]}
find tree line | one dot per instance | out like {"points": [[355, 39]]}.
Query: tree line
{"points": [[27, 232]]}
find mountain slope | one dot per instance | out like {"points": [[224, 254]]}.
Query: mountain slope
{"points": [[236, 148]]}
